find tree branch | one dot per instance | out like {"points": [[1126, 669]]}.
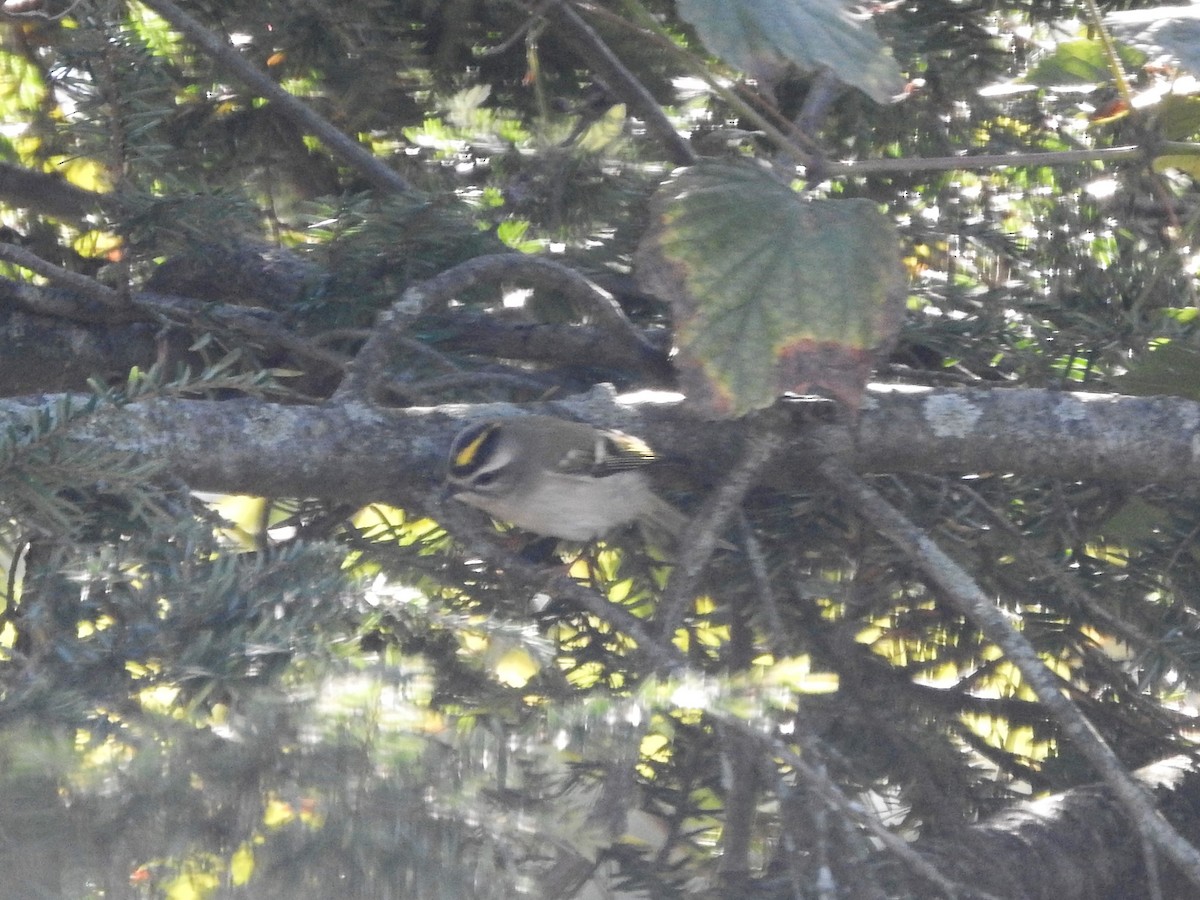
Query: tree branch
{"points": [[1069, 434], [958, 587], [968, 162], [1074, 844], [345, 148], [814, 777], [361, 453], [48, 194], [596, 303], [77, 311], [81, 284], [609, 68], [39, 353], [700, 539], [660, 654], [550, 343]]}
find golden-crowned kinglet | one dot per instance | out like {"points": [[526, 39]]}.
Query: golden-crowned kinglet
{"points": [[558, 478]]}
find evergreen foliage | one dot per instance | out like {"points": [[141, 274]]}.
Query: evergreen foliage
{"points": [[227, 696]]}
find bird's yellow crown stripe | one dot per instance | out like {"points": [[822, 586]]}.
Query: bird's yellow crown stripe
{"points": [[466, 455]]}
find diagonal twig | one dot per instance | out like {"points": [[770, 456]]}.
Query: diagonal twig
{"points": [[81, 284], [658, 653], [348, 150], [700, 538], [817, 780], [958, 587], [613, 73]]}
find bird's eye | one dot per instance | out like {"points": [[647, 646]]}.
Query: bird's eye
{"points": [[483, 479]]}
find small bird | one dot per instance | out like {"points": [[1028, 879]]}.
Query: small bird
{"points": [[558, 478]]}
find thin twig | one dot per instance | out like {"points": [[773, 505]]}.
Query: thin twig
{"points": [[429, 354], [50, 194], [990, 161], [1126, 631], [335, 335], [798, 141], [80, 284], [957, 586], [757, 561], [11, 12], [551, 343], [660, 654], [793, 143], [624, 83], [228, 57], [247, 321], [72, 303], [427, 388], [60, 303], [535, 15], [816, 780], [700, 539], [1096, 21], [741, 784], [598, 305]]}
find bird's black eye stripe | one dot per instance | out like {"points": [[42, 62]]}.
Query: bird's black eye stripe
{"points": [[483, 479]]}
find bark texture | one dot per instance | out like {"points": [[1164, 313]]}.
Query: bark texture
{"points": [[358, 452]]}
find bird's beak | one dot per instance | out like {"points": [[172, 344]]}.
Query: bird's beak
{"points": [[447, 493]]}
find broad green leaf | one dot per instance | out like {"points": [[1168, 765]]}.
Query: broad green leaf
{"points": [[1178, 117], [1187, 163], [770, 293], [762, 37], [797, 675], [511, 233], [1134, 523], [609, 128], [1078, 62], [515, 667]]}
